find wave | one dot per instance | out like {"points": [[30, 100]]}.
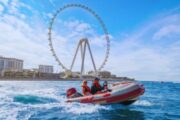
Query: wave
{"points": [[23, 96], [23, 101], [143, 103], [29, 99], [78, 108]]}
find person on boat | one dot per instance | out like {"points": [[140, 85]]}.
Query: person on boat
{"points": [[96, 87], [85, 89], [105, 85]]}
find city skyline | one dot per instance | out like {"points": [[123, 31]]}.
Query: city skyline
{"points": [[17, 65], [144, 36]]}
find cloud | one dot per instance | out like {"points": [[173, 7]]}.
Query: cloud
{"points": [[149, 53], [1, 9], [14, 7], [27, 40], [141, 56], [167, 31], [18, 39], [5, 2]]}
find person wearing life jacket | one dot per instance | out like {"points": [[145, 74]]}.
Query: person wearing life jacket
{"points": [[85, 89], [96, 87], [105, 85]]}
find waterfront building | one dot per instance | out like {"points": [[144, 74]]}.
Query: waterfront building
{"points": [[45, 69], [91, 73], [62, 74], [10, 64], [75, 74], [36, 70], [104, 74], [113, 76]]}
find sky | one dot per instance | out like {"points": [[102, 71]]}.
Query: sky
{"points": [[144, 35]]}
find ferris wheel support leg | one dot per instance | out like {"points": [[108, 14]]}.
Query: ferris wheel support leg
{"points": [[81, 47], [74, 58], [83, 44], [94, 65]]}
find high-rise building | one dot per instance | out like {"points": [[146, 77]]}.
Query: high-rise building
{"points": [[45, 69], [10, 64]]}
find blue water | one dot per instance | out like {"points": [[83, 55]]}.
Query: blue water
{"points": [[45, 100]]}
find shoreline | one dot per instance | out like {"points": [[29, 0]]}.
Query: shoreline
{"points": [[60, 79]]}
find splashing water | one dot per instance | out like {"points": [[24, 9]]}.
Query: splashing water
{"points": [[143, 103], [46, 101]]}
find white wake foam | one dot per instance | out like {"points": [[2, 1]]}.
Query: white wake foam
{"points": [[10, 110], [78, 108], [143, 103]]}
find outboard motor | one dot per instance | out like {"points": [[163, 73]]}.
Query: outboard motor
{"points": [[72, 93]]}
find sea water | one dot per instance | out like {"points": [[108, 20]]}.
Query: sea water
{"points": [[45, 100]]}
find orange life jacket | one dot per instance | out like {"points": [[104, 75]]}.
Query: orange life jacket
{"points": [[86, 90]]}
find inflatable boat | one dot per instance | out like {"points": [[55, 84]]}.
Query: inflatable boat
{"points": [[124, 93]]}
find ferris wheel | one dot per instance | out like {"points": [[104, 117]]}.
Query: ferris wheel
{"points": [[83, 43]]}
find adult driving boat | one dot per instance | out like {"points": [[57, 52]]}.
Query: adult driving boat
{"points": [[122, 92]]}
